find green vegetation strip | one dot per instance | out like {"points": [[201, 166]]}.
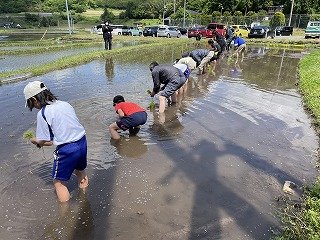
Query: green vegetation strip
{"points": [[302, 221], [52, 48], [310, 83], [71, 61]]}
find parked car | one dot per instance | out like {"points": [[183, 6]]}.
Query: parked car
{"points": [[117, 29], [131, 31], [219, 27], [182, 30], [241, 30], [168, 31], [260, 32], [135, 31], [125, 30], [312, 30], [197, 31], [284, 31], [150, 31]]}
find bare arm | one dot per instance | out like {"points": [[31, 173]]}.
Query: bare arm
{"points": [[41, 143], [120, 113]]}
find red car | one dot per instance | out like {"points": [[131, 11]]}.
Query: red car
{"points": [[219, 28], [197, 31]]}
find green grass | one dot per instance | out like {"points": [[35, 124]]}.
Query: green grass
{"points": [[309, 72], [302, 222]]}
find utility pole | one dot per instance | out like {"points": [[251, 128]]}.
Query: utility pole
{"points": [[184, 13], [69, 24], [292, 2], [174, 6]]}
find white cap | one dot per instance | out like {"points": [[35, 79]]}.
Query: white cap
{"points": [[33, 88]]}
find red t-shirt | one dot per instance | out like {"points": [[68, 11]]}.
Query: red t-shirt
{"points": [[128, 108]]}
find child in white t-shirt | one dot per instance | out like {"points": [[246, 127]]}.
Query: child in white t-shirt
{"points": [[57, 124]]}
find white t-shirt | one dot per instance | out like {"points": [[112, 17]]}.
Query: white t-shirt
{"points": [[182, 67], [63, 121], [189, 62]]}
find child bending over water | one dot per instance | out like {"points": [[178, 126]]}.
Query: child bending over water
{"points": [[57, 124], [131, 116]]}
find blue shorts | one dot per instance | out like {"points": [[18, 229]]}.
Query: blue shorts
{"points": [[187, 73], [134, 120], [69, 157]]}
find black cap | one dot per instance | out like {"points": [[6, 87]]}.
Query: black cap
{"points": [[117, 99]]}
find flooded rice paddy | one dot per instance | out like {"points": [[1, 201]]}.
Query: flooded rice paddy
{"points": [[211, 167], [16, 62]]}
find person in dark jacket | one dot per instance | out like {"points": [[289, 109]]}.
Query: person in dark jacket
{"points": [[171, 78], [202, 57], [107, 35], [220, 39], [229, 37]]}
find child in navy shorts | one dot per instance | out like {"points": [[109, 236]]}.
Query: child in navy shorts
{"points": [[57, 124], [131, 116]]}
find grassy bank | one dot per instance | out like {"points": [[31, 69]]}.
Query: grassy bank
{"points": [[302, 221]]}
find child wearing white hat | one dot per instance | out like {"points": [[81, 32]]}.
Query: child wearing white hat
{"points": [[57, 124]]}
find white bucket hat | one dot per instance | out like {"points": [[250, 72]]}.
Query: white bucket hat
{"points": [[33, 88]]}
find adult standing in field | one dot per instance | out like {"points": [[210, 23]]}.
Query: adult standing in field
{"points": [[107, 35], [171, 78]]}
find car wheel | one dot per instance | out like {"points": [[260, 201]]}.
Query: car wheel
{"points": [[168, 36], [153, 35], [240, 35], [130, 33], [119, 33], [140, 34], [179, 35]]}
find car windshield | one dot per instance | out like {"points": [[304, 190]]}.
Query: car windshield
{"points": [[162, 29]]}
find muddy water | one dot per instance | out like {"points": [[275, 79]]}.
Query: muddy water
{"points": [[15, 62], [209, 168]]}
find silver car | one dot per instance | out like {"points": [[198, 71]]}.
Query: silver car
{"points": [[167, 31]]}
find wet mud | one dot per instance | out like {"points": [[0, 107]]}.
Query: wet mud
{"points": [[211, 167]]}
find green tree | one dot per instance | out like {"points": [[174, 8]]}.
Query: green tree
{"points": [[107, 15], [278, 19], [180, 13]]}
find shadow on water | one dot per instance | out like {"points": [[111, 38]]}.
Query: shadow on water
{"points": [[209, 168]]}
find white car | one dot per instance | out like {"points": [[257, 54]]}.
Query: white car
{"points": [[168, 31], [117, 29]]}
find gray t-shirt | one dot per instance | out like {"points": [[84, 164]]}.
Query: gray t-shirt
{"points": [[163, 74]]}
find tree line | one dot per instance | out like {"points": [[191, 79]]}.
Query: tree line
{"points": [[139, 9]]}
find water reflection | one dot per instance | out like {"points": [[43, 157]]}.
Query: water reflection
{"points": [[132, 147], [167, 125], [75, 220], [236, 70], [109, 69]]}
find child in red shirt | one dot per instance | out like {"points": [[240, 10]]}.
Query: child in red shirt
{"points": [[131, 117]]}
